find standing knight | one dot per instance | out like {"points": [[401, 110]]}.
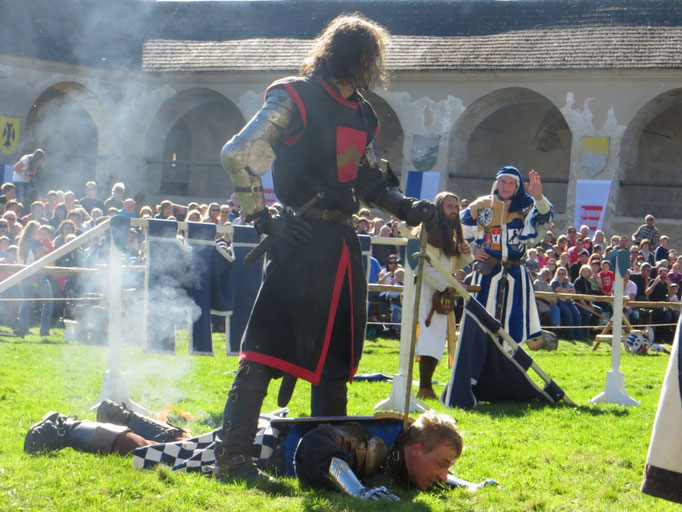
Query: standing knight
{"points": [[308, 321]]}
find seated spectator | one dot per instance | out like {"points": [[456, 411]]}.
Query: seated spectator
{"points": [[547, 307], [194, 216], [576, 267], [95, 214], [564, 260], [9, 192], [532, 263], [91, 200], [37, 211], [70, 201], [561, 246], [606, 280], [597, 250], [14, 206], [572, 235], [31, 250], [116, 198], [377, 224], [128, 209], [675, 274], [66, 228], [675, 296], [570, 316], [76, 217], [574, 251], [659, 291], [546, 242], [51, 204], [373, 299], [630, 291], [583, 286], [225, 212], [584, 231], [4, 245], [662, 250], [644, 246], [587, 244], [165, 210], [599, 240], [11, 218], [58, 216], [614, 241], [213, 214], [45, 234], [363, 226], [382, 251], [623, 243], [551, 266], [146, 212], [4, 229]]}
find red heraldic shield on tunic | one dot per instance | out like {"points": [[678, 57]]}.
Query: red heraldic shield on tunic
{"points": [[350, 145]]}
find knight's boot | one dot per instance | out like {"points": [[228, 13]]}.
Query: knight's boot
{"points": [[56, 431], [155, 431], [240, 424]]}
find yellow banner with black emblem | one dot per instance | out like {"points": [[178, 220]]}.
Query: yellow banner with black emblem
{"points": [[10, 128]]}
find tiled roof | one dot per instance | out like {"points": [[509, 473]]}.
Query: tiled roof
{"points": [[592, 47], [476, 34]]}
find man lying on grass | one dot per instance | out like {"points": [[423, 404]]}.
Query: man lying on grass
{"points": [[332, 453]]}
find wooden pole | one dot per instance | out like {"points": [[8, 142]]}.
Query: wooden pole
{"points": [[415, 323]]}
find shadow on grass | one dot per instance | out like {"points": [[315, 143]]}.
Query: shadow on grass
{"points": [[515, 409], [32, 340], [324, 500]]}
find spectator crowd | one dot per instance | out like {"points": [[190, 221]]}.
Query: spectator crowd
{"points": [[574, 262]]}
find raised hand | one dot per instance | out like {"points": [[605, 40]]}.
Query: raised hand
{"points": [[535, 185]]}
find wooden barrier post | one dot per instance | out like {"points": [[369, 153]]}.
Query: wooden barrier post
{"points": [[402, 384], [614, 392], [113, 380]]}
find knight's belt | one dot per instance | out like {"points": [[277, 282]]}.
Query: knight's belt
{"points": [[507, 263], [329, 215]]}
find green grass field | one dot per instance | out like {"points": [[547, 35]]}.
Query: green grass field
{"points": [[545, 457]]}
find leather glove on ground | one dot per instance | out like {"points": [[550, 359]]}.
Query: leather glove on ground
{"points": [[415, 212], [287, 230]]}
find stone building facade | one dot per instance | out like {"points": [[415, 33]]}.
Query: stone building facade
{"points": [[575, 90]]}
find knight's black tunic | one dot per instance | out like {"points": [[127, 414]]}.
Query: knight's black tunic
{"points": [[310, 312]]}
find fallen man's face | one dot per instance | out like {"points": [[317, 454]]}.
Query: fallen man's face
{"points": [[428, 468]]}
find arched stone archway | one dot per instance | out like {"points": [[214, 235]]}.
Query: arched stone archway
{"points": [[652, 156], [511, 126], [68, 121], [389, 143], [191, 127]]}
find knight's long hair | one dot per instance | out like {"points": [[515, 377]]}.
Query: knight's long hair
{"points": [[351, 50], [442, 236]]}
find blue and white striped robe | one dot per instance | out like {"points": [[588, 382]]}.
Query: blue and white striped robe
{"points": [[519, 312]]}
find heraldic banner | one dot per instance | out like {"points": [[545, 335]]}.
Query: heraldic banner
{"points": [[591, 200], [10, 127]]}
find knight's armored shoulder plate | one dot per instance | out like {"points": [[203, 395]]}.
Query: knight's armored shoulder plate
{"points": [[249, 154]]}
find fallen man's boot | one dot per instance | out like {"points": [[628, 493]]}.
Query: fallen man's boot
{"points": [[119, 414], [56, 431]]}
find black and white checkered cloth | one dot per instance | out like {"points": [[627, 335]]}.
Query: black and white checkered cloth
{"points": [[197, 453]]}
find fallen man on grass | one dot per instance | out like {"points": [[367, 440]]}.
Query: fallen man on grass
{"points": [[354, 455]]}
